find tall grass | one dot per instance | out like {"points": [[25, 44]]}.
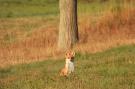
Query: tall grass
{"points": [[34, 38], [112, 69]]}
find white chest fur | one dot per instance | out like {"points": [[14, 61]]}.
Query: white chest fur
{"points": [[69, 65]]}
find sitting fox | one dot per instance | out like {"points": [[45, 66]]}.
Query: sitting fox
{"points": [[69, 64]]}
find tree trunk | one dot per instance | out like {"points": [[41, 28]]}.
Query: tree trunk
{"points": [[68, 27]]}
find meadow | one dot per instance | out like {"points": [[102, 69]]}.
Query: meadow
{"points": [[29, 58], [111, 69], [29, 29]]}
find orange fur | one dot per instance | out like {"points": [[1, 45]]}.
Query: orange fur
{"points": [[64, 72]]}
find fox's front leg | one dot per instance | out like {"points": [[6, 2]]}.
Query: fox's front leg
{"points": [[64, 72]]}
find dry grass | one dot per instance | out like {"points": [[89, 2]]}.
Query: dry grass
{"points": [[109, 30]]}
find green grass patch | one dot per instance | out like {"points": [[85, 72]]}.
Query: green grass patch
{"points": [[46, 8], [17, 8], [112, 69]]}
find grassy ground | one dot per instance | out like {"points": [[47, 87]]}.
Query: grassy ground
{"points": [[16, 8], [29, 31], [112, 69], [47, 8], [29, 28]]}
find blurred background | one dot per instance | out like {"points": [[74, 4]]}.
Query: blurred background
{"points": [[29, 28]]}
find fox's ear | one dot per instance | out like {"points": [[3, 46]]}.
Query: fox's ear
{"points": [[73, 53], [67, 53]]}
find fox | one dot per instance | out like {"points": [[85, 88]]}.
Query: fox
{"points": [[69, 64]]}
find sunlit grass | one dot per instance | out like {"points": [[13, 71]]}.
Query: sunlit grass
{"points": [[112, 69], [26, 8], [46, 8]]}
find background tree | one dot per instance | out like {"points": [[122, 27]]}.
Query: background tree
{"points": [[68, 28]]}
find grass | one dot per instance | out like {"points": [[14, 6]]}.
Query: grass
{"points": [[25, 30], [27, 38], [25, 8], [111, 69], [47, 8]]}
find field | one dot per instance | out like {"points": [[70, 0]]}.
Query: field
{"points": [[29, 29], [29, 58], [111, 69]]}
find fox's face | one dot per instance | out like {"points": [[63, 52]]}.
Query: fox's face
{"points": [[70, 55]]}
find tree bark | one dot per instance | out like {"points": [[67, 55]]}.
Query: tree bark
{"points": [[68, 27]]}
